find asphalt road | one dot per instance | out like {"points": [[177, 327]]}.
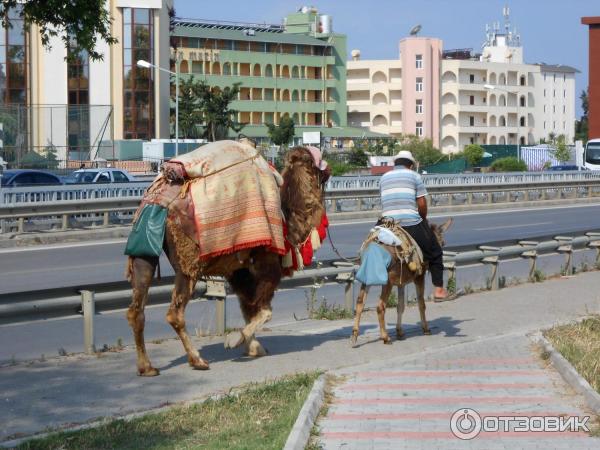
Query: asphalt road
{"points": [[45, 267]]}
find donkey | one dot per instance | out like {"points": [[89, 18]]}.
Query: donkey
{"points": [[399, 275]]}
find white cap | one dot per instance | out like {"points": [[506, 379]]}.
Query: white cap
{"points": [[405, 154]]}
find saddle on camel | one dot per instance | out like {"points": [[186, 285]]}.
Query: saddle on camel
{"points": [[402, 246], [222, 210]]}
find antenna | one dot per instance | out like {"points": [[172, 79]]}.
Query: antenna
{"points": [[415, 30]]}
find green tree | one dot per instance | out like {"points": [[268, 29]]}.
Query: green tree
{"points": [[190, 112], [84, 21], [422, 149], [508, 164], [283, 133], [50, 153], [217, 116], [560, 150], [358, 157], [581, 125], [473, 153]]}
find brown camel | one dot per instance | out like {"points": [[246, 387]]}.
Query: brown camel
{"points": [[253, 274], [398, 275]]}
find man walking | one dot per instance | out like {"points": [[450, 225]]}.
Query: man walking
{"points": [[403, 198]]}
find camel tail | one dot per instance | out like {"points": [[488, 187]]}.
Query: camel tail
{"points": [[129, 269]]}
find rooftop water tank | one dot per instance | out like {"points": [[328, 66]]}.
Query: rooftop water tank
{"points": [[326, 23]]}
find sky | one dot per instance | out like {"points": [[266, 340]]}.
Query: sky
{"points": [[551, 30]]}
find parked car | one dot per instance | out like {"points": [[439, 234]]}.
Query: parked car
{"points": [[100, 175], [28, 177], [565, 167]]}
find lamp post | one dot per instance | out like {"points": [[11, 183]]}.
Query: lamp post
{"points": [[490, 87], [147, 65]]}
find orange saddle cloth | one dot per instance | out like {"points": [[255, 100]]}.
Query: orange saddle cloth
{"points": [[236, 199]]}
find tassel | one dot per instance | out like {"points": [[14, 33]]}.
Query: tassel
{"points": [[315, 239], [287, 260], [299, 259]]}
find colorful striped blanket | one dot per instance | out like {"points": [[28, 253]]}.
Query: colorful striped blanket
{"points": [[236, 199]]}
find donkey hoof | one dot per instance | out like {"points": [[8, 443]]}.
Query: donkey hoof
{"points": [[400, 335], [148, 372], [199, 364], [427, 331], [387, 340], [234, 339], [354, 338]]}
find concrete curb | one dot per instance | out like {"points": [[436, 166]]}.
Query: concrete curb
{"points": [[569, 374], [300, 434]]}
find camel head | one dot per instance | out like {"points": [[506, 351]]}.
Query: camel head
{"points": [[439, 230], [302, 193]]}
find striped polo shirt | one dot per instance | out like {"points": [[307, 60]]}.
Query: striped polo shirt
{"points": [[400, 189]]}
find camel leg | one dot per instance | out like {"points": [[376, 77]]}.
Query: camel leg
{"points": [[255, 288], [420, 288], [360, 304], [400, 310], [184, 287], [142, 270], [385, 295]]}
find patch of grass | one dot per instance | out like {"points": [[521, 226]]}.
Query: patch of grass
{"points": [[538, 276], [468, 289], [330, 312], [501, 282], [259, 417], [451, 285], [580, 344]]}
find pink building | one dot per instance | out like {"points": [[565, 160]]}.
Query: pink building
{"points": [[421, 58]]}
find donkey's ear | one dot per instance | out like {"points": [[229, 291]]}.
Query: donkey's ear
{"points": [[444, 227]]}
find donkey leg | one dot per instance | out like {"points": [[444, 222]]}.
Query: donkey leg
{"points": [[400, 310], [383, 299], [420, 288], [184, 287], [142, 270], [360, 304]]}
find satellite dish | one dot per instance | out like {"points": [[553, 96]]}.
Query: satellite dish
{"points": [[415, 30]]}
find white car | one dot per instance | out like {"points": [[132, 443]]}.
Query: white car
{"points": [[100, 175]]}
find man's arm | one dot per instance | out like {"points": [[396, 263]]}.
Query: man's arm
{"points": [[422, 206]]}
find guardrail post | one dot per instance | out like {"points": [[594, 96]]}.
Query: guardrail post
{"points": [[89, 309], [105, 219], [65, 222], [348, 279], [469, 198], [359, 204], [490, 198], [531, 254], [595, 244], [493, 261], [215, 290], [567, 248], [21, 225], [590, 191]]}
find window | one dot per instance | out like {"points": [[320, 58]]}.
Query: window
{"points": [[554, 93], [554, 125], [419, 108], [419, 129], [554, 77], [120, 177], [138, 82], [544, 124], [544, 92], [471, 78], [522, 122], [78, 124], [104, 177], [522, 100], [564, 109], [522, 80], [544, 108], [564, 125], [553, 108], [471, 100], [471, 140], [544, 77], [471, 121], [419, 61], [564, 93], [419, 84]]}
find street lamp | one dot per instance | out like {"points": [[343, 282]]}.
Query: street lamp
{"points": [[146, 65], [490, 87]]}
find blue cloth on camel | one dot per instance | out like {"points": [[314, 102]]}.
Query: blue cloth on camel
{"points": [[375, 261]]}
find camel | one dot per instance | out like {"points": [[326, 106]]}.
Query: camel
{"points": [[398, 275], [253, 274]]}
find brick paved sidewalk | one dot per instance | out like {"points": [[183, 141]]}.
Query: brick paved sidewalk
{"points": [[408, 404]]}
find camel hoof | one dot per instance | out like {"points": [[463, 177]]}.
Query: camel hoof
{"points": [[427, 332], [199, 365], [354, 338], [255, 350], [149, 372], [234, 339]]}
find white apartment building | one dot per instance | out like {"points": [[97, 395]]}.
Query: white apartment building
{"points": [[491, 98]]}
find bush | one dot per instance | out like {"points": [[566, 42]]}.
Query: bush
{"points": [[473, 153], [509, 164]]}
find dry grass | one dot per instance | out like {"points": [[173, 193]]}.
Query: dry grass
{"points": [[580, 344], [259, 417]]}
